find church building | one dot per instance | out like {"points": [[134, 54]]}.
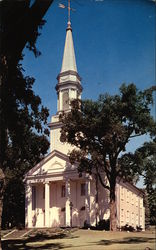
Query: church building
{"points": [[55, 194]]}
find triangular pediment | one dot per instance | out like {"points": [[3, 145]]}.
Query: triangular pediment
{"points": [[54, 162]]}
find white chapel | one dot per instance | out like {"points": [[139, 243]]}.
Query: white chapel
{"points": [[55, 195]]}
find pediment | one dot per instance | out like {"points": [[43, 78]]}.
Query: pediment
{"points": [[54, 162], [56, 165]]}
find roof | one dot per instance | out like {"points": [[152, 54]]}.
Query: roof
{"points": [[69, 61]]}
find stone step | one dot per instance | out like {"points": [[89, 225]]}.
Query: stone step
{"points": [[15, 234]]}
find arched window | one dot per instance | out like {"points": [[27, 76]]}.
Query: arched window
{"points": [[65, 100]]}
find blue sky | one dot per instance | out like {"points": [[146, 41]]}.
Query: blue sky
{"points": [[114, 43]]}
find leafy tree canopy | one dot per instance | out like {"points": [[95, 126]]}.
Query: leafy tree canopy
{"points": [[101, 129], [20, 23], [20, 109], [143, 161], [23, 133]]}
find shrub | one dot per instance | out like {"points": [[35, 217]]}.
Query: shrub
{"points": [[103, 225], [127, 228], [139, 228], [86, 225]]}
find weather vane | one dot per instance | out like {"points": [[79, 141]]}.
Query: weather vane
{"points": [[67, 7]]}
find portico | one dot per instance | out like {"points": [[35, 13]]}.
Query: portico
{"points": [[56, 201]]}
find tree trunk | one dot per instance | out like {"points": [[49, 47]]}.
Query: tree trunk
{"points": [[113, 212], [2, 186], [97, 200]]}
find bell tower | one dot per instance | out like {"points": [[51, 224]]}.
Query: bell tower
{"points": [[68, 87], [69, 82]]}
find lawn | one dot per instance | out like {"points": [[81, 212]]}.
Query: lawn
{"points": [[84, 240]]}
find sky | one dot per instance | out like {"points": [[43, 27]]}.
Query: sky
{"points": [[114, 43]]}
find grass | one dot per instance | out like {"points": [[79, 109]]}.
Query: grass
{"points": [[83, 240]]}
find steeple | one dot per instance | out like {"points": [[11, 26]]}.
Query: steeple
{"points": [[68, 87], [69, 82], [69, 62]]}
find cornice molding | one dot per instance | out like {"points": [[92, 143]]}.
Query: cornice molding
{"points": [[131, 186], [67, 83], [69, 72], [55, 125]]}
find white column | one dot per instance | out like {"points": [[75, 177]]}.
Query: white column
{"points": [[47, 201], [28, 206], [87, 201], [60, 101], [70, 97], [68, 203], [143, 218], [138, 211]]}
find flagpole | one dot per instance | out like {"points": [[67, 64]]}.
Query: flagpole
{"points": [[68, 10]]}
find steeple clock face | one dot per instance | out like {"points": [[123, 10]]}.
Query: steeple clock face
{"points": [[65, 100]]}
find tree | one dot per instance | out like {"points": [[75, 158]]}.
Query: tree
{"points": [[147, 210], [143, 161], [20, 21], [101, 129], [25, 148], [26, 141], [31, 152], [148, 154]]}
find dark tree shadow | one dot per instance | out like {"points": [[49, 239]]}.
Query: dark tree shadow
{"points": [[19, 244], [127, 240]]}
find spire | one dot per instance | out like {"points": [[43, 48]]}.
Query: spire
{"points": [[68, 86], [69, 62]]}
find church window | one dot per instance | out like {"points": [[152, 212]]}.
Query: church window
{"points": [[127, 216], [83, 208], [136, 201], [127, 196], [83, 189], [63, 209], [122, 215], [132, 199], [63, 191], [65, 100], [132, 218], [137, 219], [33, 197]]}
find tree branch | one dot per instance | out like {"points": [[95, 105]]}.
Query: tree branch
{"points": [[132, 136], [17, 37], [101, 181]]}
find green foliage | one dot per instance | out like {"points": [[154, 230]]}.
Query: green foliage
{"points": [[143, 161], [13, 204], [101, 129], [20, 24], [27, 142], [23, 133], [104, 225], [127, 228], [147, 210], [25, 119]]}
